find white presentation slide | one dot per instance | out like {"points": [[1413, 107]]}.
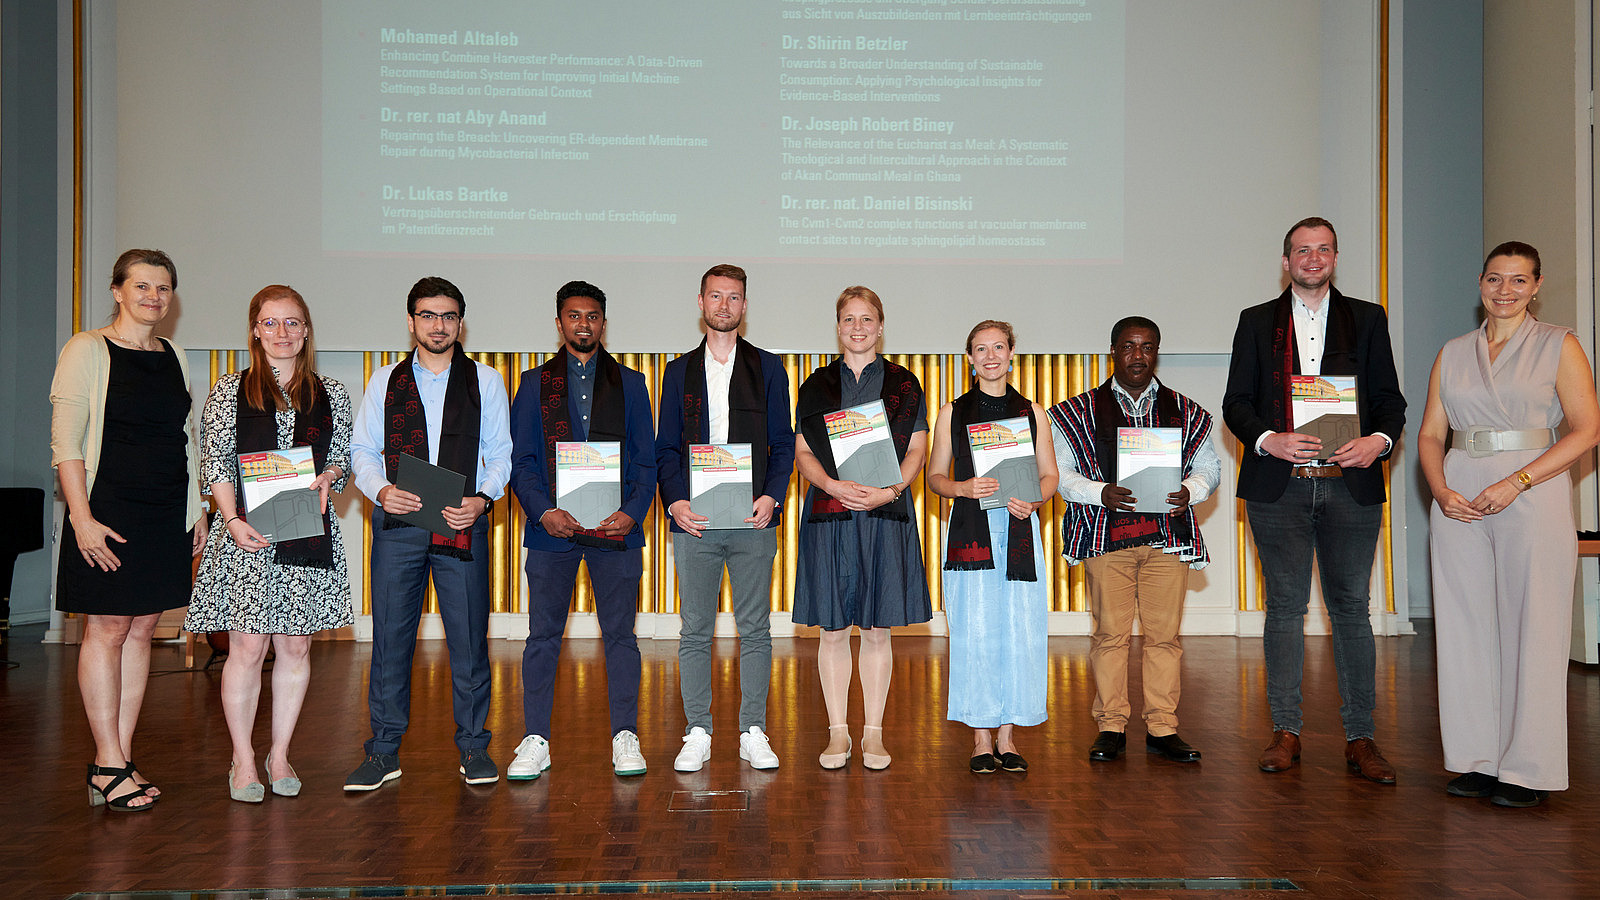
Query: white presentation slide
{"points": [[1057, 164], [923, 130]]}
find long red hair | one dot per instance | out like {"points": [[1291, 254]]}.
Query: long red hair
{"points": [[260, 389]]}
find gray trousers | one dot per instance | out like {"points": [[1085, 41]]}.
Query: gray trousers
{"points": [[748, 556]]}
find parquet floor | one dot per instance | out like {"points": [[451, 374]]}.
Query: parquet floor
{"points": [[923, 828]]}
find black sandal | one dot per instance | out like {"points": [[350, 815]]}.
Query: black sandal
{"points": [[145, 786], [99, 796]]}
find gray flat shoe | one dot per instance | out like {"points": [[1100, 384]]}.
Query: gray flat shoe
{"points": [[250, 793], [288, 786]]}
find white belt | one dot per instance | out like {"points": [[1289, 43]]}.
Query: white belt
{"points": [[1480, 440]]}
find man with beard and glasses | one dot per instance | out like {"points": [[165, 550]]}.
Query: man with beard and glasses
{"points": [[437, 405], [581, 394], [1301, 507], [726, 390]]}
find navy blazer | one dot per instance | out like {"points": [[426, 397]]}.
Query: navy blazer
{"points": [[1357, 344], [530, 475], [670, 469]]}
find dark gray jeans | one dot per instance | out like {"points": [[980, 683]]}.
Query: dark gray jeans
{"points": [[1317, 517]]}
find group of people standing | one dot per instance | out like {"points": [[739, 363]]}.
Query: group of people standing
{"points": [[1503, 562]]}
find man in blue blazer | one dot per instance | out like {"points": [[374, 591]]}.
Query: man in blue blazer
{"points": [[581, 394], [727, 390], [1301, 508]]}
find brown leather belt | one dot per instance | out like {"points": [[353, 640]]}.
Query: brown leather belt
{"points": [[1318, 471]]}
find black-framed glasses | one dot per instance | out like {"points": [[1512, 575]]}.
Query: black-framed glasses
{"points": [[448, 318], [292, 326]]}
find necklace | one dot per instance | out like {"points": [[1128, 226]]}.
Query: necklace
{"points": [[135, 344]]}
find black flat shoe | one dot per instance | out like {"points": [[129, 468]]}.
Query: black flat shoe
{"points": [[1472, 784], [1013, 762], [1172, 747], [1107, 746], [1516, 796], [983, 763]]}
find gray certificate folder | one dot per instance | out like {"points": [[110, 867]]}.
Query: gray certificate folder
{"points": [[438, 489], [288, 515]]}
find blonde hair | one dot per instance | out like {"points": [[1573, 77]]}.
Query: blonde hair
{"points": [[857, 292], [997, 325]]}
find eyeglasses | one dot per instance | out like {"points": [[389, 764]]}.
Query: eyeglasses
{"points": [[292, 326], [432, 317]]}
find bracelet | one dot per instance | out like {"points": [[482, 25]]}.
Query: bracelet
{"points": [[229, 521]]}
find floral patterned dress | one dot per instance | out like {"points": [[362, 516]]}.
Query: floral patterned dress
{"points": [[237, 590]]}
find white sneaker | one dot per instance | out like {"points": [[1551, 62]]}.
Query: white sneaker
{"points": [[753, 746], [696, 750], [625, 756], [533, 759]]}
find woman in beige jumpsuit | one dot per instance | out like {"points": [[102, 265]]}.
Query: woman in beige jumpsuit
{"points": [[1504, 560]]}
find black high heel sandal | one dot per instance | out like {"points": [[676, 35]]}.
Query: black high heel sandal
{"points": [[101, 796], [145, 786]]}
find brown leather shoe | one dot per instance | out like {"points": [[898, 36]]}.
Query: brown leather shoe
{"points": [[1363, 756], [1282, 754]]}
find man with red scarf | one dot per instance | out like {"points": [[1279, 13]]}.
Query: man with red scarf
{"points": [[1302, 507], [1136, 564], [439, 406], [581, 394]]}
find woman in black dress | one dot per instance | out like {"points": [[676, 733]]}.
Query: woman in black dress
{"points": [[123, 445]]}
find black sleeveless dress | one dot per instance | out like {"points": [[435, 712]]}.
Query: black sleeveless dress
{"points": [[141, 491]]}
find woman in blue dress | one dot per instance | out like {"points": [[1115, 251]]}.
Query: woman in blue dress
{"points": [[994, 589], [860, 560]]}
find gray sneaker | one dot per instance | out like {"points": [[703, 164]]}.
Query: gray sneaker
{"points": [[373, 772], [477, 767]]}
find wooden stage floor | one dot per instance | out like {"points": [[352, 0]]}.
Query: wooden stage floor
{"points": [[1140, 827]]}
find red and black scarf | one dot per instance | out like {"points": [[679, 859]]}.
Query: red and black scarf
{"points": [[1338, 353], [820, 395], [608, 421], [255, 430], [406, 431], [1130, 529], [747, 408], [968, 546]]}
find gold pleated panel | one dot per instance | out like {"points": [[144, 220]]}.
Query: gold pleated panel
{"points": [[1047, 378]]}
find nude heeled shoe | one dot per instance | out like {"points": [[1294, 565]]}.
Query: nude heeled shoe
{"points": [[874, 761], [836, 760]]}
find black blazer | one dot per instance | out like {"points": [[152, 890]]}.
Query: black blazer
{"points": [[1357, 344]]}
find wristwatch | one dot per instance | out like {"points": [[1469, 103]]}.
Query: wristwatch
{"points": [[487, 500], [1524, 480]]}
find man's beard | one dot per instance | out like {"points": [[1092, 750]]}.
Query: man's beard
{"points": [[716, 325]]}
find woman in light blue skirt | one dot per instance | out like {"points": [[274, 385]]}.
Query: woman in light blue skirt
{"points": [[994, 570]]}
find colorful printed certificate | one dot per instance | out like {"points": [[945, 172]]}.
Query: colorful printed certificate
{"points": [[1324, 406], [721, 484], [589, 480], [276, 494], [1003, 449], [1150, 465], [863, 448]]}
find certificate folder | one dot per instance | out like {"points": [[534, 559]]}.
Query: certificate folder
{"points": [[438, 488], [1003, 450], [589, 480], [863, 448], [1150, 466], [276, 495], [720, 484], [1324, 406]]}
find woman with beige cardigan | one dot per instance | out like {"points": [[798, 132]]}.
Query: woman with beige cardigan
{"points": [[122, 442]]}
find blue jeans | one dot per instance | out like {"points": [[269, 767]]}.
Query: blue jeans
{"points": [[1316, 517]]}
